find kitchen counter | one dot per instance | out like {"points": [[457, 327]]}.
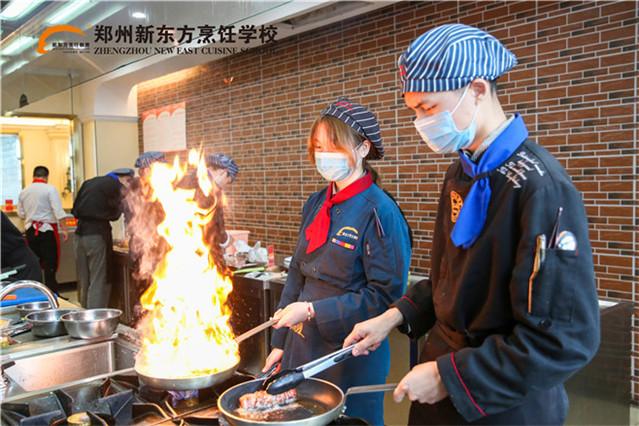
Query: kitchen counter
{"points": [[600, 393]]}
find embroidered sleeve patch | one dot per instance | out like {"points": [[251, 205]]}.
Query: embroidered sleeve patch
{"points": [[456, 203]]}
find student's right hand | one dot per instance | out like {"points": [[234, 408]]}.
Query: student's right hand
{"points": [[274, 357], [369, 334]]}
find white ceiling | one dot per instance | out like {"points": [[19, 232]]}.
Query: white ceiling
{"points": [[44, 75]]}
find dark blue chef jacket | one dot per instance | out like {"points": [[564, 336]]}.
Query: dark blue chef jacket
{"points": [[505, 340], [354, 276]]}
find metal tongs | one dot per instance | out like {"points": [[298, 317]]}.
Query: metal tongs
{"points": [[289, 379]]}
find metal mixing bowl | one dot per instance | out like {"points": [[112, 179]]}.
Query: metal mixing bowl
{"points": [[47, 323], [26, 308], [91, 323]]}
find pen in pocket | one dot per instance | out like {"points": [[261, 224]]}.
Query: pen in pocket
{"points": [[552, 242]]}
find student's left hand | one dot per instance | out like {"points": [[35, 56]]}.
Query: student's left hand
{"points": [[294, 313], [422, 384]]}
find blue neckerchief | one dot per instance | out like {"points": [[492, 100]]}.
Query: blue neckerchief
{"points": [[472, 217], [114, 176]]}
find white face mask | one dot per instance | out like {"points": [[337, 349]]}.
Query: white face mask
{"points": [[440, 132], [335, 166]]}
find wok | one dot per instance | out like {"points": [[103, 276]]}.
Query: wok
{"points": [[320, 401], [205, 380]]}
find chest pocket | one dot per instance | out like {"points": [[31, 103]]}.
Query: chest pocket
{"points": [[339, 261]]}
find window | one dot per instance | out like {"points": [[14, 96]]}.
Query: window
{"points": [[11, 184]]}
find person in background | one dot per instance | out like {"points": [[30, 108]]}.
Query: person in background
{"points": [[98, 202], [40, 206], [144, 162], [17, 254], [351, 259], [510, 309], [142, 216], [223, 171]]}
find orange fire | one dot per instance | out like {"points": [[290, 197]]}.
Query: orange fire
{"points": [[186, 329]]}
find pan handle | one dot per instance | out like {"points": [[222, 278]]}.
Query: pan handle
{"points": [[255, 330], [386, 387]]}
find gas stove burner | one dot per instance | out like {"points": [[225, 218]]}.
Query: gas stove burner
{"points": [[99, 402], [119, 400], [189, 398]]}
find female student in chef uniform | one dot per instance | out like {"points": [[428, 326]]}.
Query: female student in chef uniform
{"points": [[351, 259]]}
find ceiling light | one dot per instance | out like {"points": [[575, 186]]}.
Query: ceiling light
{"points": [[70, 10], [32, 121], [18, 8], [138, 15], [112, 9], [18, 44], [14, 67]]}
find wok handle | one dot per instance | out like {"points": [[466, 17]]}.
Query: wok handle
{"points": [[386, 387], [256, 330]]}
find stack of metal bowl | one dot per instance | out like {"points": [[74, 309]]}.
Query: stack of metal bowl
{"points": [[47, 323], [27, 308], [91, 323]]}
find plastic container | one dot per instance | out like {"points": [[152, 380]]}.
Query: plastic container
{"points": [[236, 235]]}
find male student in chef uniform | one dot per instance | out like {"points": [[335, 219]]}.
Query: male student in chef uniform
{"points": [[40, 206], [510, 317]]}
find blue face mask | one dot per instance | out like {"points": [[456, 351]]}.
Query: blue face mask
{"points": [[440, 132], [333, 166]]}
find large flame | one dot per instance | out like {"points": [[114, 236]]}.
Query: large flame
{"points": [[186, 332]]}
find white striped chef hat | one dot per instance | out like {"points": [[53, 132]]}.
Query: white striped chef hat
{"points": [[450, 56]]}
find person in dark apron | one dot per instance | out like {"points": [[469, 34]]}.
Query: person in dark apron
{"points": [[40, 206], [510, 308], [98, 202], [351, 259]]}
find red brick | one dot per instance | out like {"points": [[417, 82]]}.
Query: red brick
{"points": [[277, 97]]}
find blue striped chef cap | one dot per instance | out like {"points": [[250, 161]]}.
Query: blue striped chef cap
{"points": [[148, 158], [450, 56], [221, 161], [123, 171], [359, 119]]}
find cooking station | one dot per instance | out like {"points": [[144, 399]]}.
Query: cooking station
{"points": [[94, 383], [66, 381]]}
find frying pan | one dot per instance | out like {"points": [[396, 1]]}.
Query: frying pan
{"points": [[321, 401], [205, 380]]}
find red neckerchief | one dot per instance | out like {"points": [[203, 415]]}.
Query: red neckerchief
{"points": [[38, 180], [317, 231]]}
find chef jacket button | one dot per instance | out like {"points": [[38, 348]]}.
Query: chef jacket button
{"points": [[545, 324], [314, 269]]}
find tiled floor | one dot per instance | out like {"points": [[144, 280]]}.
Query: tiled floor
{"points": [[397, 414]]}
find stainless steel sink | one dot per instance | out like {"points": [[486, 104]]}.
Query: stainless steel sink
{"points": [[68, 365]]}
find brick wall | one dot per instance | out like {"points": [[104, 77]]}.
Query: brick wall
{"points": [[575, 86]]}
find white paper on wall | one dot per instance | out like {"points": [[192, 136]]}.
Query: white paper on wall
{"points": [[164, 128]]}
